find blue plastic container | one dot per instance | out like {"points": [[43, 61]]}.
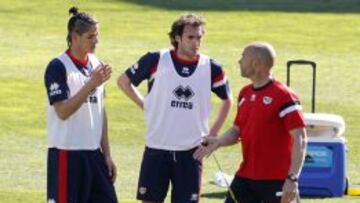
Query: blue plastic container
{"points": [[324, 171]]}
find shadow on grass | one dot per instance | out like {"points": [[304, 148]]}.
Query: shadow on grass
{"points": [[326, 6], [222, 196], [214, 195]]}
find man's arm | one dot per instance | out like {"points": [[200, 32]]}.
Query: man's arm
{"points": [[290, 188], [64, 109], [130, 90], [221, 116], [105, 148], [211, 144], [134, 75], [298, 150], [220, 86], [230, 137]]}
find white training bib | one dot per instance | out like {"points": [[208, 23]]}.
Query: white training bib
{"points": [[83, 129], [177, 108]]}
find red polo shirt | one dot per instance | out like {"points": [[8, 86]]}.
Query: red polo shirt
{"points": [[265, 117]]}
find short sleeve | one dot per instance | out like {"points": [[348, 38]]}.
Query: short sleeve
{"points": [[55, 82], [144, 68], [291, 111], [219, 83]]}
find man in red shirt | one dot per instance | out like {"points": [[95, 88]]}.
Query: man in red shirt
{"points": [[270, 126]]}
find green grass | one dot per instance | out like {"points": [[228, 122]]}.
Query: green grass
{"points": [[33, 32]]}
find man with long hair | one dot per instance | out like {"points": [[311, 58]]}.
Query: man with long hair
{"points": [[80, 167]]}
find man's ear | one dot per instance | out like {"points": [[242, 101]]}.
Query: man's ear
{"points": [[254, 62], [177, 38], [74, 37]]}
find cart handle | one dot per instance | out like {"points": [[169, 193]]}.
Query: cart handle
{"points": [[303, 62]]}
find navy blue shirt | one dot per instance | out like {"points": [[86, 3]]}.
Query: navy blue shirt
{"points": [[146, 66]]}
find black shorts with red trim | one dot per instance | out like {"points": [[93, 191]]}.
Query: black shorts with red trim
{"points": [[79, 176], [254, 191], [160, 167]]}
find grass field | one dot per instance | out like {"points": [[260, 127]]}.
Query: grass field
{"points": [[33, 32]]}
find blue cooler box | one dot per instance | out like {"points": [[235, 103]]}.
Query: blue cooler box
{"points": [[324, 171]]}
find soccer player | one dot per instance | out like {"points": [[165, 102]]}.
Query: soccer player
{"points": [[177, 109], [80, 167], [270, 126]]}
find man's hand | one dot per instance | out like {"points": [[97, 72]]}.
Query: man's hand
{"points": [[290, 191], [101, 74], [111, 168], [209, 145]]}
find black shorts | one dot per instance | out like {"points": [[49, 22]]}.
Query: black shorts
{"points": [[160, 167], [79, 176], [254, 191]]}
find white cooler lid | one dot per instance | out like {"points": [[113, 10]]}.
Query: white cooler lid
{"points": [[324, 125]]}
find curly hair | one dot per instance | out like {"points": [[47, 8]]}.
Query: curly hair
{"points": [[178, 26]]}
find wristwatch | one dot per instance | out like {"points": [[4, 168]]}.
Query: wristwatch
{"points": [[292, 177]]}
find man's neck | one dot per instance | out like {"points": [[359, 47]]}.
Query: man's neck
{"points": [[184, 57], [79, 55], [260, 82]]}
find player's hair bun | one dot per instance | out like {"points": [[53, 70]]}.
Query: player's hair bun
{"points": [[74, 11]]}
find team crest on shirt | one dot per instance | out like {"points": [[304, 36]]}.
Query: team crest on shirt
{"points": [[267, 100], [183, 95]]}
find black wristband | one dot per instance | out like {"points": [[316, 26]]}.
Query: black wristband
{"points": [[292, 177]]}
